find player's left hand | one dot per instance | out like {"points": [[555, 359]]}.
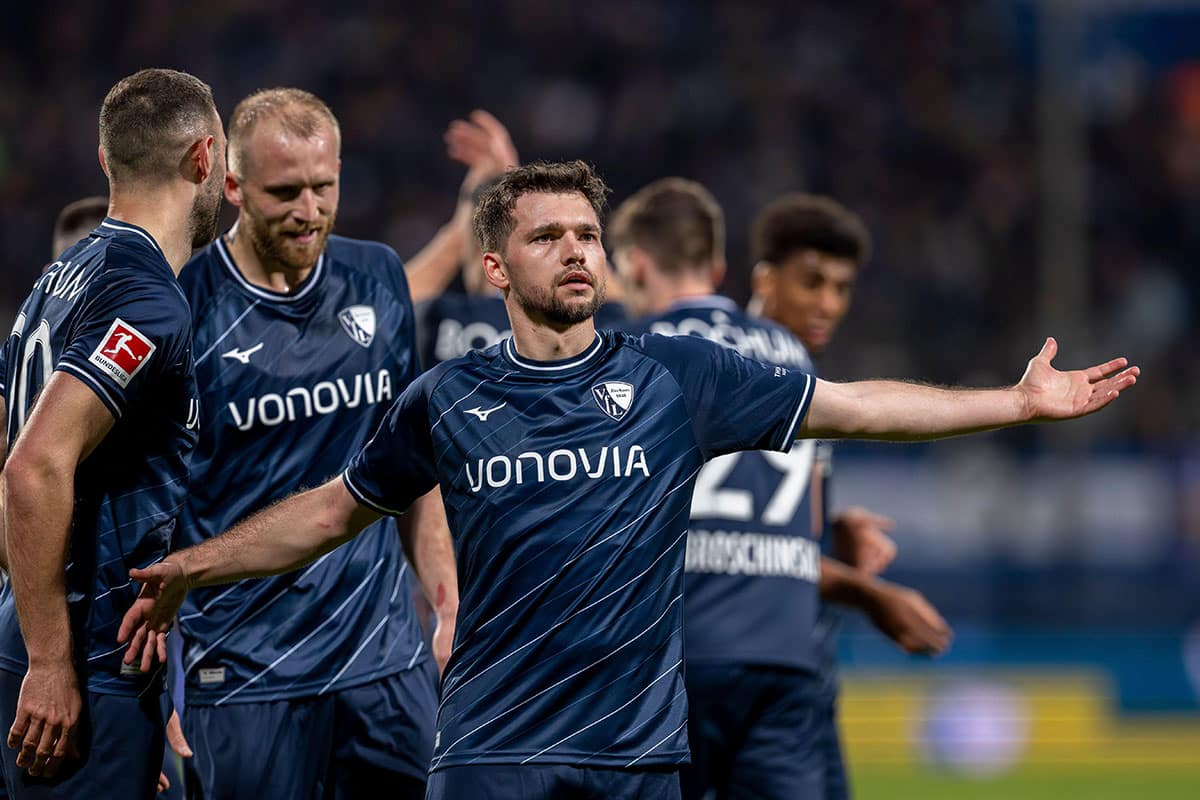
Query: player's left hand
{"points": [[48, 711], [908, 619], [483, 144], [1051, 394], [145, 625], [860, 539]]}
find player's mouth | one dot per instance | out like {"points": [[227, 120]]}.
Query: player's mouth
{"points": [[303, 237], [577, 280]]}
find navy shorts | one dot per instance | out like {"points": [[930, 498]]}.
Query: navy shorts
{"points": [[755, 732], [837, 786], [342, 745], [120, 745], [551, 782]]}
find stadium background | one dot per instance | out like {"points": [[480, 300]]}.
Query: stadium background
{"points": [[1027, 168]]}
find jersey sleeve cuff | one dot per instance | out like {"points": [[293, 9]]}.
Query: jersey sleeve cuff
{"points": [[110, 398], [365, 499], [798, 414]]}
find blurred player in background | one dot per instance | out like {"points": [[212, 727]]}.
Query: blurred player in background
{"points": [[317, 683], [76, 221], [807, 252], [459, 321], [567, 458], [101, 405], [754, 570]]}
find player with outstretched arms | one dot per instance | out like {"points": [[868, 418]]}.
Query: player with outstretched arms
{"points": [[102, 418], [567, 459], [754, 569], [319, 677]]}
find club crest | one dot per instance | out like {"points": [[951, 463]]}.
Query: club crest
{"points": [[359, 323], [613, 397]]}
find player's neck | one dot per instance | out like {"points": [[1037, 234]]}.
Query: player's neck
{"points": [[160, 214], [671, 291], [540, 341], [260, 270]]}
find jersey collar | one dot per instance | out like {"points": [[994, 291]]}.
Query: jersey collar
{"points": [[705, 301], [268, 294], [550, 368], [113, 226]]}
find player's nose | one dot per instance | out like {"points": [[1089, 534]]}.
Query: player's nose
{"points": [[572, 252], [306, 205]]}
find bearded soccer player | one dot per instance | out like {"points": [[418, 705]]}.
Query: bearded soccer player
{"points": [[101, 418], [754, 571], [567, 460], [319, 677]]}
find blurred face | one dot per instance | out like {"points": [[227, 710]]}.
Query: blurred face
{"points": [[553, 264], [206, 208], [287, 194], [808, 293], [628, 264]]}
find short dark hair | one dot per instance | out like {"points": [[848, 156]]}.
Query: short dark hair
{"points": [[149, 118], [797, 221], [493, 220], [299, 112], [677, 221], [75, 220]]}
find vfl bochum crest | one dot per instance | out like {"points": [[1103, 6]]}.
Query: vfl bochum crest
{"points": [[613, 397], [359, 323]]}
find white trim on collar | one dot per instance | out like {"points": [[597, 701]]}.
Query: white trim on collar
{"points": [[511, 351], [138, 231], [266, 294]]}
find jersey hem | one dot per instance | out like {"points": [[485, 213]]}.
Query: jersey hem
{"points": [[629, 761], [209, 697], [15, 668]]}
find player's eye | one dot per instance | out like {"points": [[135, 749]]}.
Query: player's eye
{"points": [[285, 193]]}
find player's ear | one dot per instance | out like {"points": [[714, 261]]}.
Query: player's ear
{"points": [[495, 270], [233, 188], [103, 162], [199, 163], [718, 270], [763, 280]]}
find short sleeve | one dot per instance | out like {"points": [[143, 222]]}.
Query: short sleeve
{"points": [[129, 330], [735, 403], [396, 466]]}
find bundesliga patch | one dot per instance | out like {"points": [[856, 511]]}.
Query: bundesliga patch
{"points": [[122, 352], [613, 397], [359, 323]]}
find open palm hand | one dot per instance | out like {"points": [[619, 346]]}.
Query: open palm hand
{"points": [[1052, 394]]}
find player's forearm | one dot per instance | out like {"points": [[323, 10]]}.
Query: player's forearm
{"points": [[278, 539], [39, 498], [427, 545], [897, 411], [845, 585], [430, 271]]}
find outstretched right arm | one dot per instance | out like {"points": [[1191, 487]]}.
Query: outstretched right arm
{"points": [[277, 539]]}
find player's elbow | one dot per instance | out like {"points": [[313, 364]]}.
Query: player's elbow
{"points": [[32, 473]]}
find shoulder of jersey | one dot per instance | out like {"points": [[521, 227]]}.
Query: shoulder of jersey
{"points": [[361, 253]]}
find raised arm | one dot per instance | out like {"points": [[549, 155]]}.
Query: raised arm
{"points": [[425, 535], [65, 426], [898, 411], [277, 539]]}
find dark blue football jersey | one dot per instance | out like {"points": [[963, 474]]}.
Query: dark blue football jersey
{"points": [[753, 561], [567, 487], [456, 323], [110, 313], [292, 385]]}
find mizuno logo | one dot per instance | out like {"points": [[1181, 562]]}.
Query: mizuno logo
{"points": [[243, 355], [483, 413]]}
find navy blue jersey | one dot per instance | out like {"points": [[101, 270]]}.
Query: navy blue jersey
{"points": [[292, 385], [753, 563], [829, 617], [567, 486], [110, 313], [456, 323]]}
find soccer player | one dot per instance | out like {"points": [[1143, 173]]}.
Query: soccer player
{"points": [[753, 568], [101, 418], [566, 459], [807, 252], [319, 677], [76, 221]]}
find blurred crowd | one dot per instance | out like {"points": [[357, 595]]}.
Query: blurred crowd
{"points": [[921, 115]]}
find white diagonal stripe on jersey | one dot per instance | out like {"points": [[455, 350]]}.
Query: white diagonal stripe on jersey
{"points": [[417, 652], [558, 625], [399, 580], [112, 589], [108, 652], [464, 397], [260, 609], [438, 760], [287, 654], [217, 342], [594, 723], [378, 627], [656, 744]]}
